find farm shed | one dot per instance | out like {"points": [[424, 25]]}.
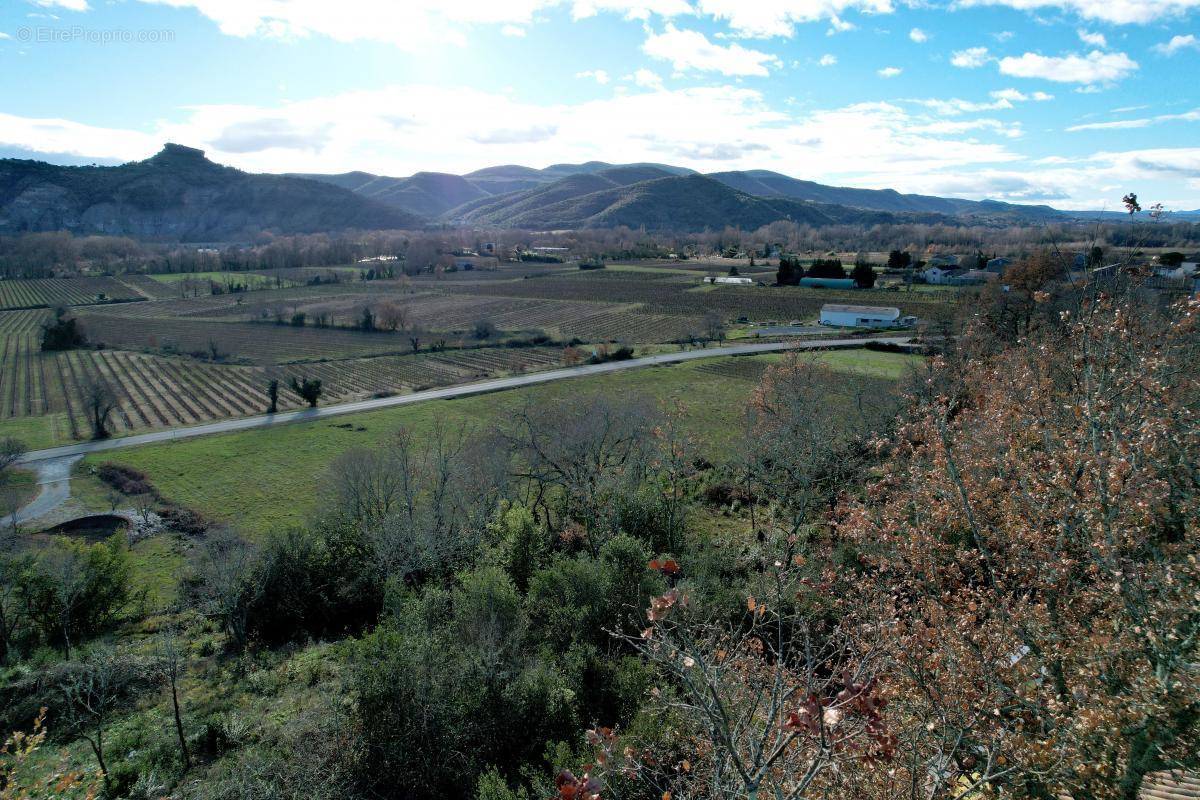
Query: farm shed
{"points": [[862, 316], [828, 283], [730, 281]]}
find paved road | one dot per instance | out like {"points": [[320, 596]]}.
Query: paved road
{"points": [[37, 457], [54, 478]]}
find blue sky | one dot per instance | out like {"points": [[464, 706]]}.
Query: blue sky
{"points": [[1065, 102]]}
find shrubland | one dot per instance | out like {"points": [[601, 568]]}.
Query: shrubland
{"points": [[983, 584]]}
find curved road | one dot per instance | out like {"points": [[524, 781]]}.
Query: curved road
{"points": [[53, 464], [54, 478]]}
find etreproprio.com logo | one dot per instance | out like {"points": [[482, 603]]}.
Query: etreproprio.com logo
{"points": [[43, 34]]}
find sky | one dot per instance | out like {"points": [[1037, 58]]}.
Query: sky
{"points": [[1070, 103]]}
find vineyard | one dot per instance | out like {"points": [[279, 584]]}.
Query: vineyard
{"points": [[51, 292], [175, 360], [157, 391]]}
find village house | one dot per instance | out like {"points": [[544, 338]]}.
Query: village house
{"points": [[940, 275]]}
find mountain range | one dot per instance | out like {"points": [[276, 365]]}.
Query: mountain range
{"points": [[179, 194], [560, 196]]}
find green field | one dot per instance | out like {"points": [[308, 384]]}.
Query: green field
{"points": [[38, 433], [265, 478]]}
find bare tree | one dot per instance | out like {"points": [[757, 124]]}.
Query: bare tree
{"points": [[99, 401], [12, 568], [799, 446], [172, 664], [391, 316], [11, 450], [714, 327], [68, 577], [366, 485], [423, 501], [784, 704], [143, 507], [92, 691], [588, 449], [414, 338], [221, 582]]}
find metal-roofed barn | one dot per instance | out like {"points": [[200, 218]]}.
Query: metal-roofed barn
{"points": [[841, 316]]}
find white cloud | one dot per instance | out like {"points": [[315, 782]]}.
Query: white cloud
{"points": [[1016, 96], [828, 60], [873, 145], [1009, 95], [1096, 181], [889, 72], [1176, 44], [72, 138], [1119, 12], [361, 130], [764, 18], [970, 58], [955, 106], [598, 75], [647, 79], [515, 31], [1002, 100], [919, 36], [959, 127], [4, 35], [630, 9], [691, 50], [69, 5], [1143, 122], [408, 24], [1093, 68], [1095, 39], [838, 25], [531, 134], [1002, 36]]}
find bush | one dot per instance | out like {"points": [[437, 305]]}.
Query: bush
{"points": [[64, 333], [622, 353], [74, 591], [442, 699], [310, 584], [184, 520], [886, 347], [483, 329], [126, 480]]}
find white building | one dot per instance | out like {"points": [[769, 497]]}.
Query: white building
{"points": [[730, 280], [840, 316], [940, 276]]}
